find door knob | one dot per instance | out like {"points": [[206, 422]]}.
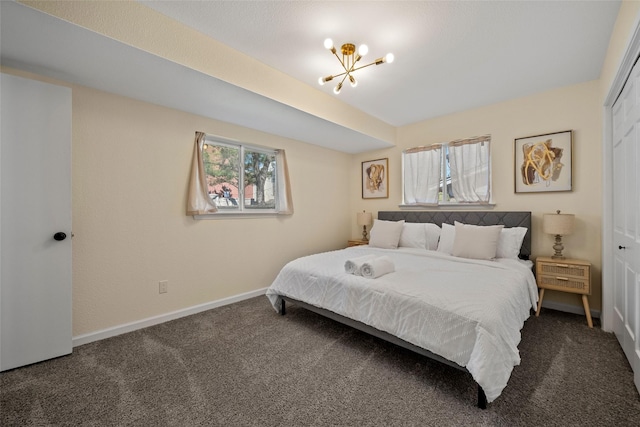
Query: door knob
{"points": [[59, 236], [622, 247]]}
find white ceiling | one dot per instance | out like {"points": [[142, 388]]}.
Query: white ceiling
{"points": [[450, 56]]}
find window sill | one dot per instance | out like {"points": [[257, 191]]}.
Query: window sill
{"points": [[237, 215]]}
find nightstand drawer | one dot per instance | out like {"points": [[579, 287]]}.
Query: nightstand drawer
{"points": [[564, 283], [560, 269]]}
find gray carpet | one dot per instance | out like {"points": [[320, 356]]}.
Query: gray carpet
{"points": [[244, 365]]}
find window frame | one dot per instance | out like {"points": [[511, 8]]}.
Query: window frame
{"points": [[443, 197], [241, 209]]}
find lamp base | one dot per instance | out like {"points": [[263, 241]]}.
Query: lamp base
{"points": [[364, 233], [558, 247]]}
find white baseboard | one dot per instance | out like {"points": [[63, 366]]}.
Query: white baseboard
{"points": [[568, 308], [155, 320]]}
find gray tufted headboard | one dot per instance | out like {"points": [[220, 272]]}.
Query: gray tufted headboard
{"points": [[508, 219]]}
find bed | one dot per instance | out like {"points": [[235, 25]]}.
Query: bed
{"points": [[465, 310]]}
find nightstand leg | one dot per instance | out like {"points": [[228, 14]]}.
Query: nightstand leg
{"points": [[587, 311], [540, 302]]}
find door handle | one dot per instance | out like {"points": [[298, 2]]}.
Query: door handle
{"points": [[622, 247], [59, 236]]}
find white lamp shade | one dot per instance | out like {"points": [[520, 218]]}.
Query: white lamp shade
{"points": [[364, 218], [558, 224]]}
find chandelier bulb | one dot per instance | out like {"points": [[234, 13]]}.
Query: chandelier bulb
{"points": [[328, 44], [363, 50], [353, 81], [336, 89], [323, 80], [389, 58]]}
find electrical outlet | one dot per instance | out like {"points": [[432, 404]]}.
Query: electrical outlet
{"points": [[163, 286]]}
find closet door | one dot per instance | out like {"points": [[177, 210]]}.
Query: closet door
{"points": [[35, 205], [626, 220]]}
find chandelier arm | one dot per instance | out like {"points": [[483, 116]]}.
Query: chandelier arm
{"points": [[345, 73], [344, 78], [352, 64], [338, 75], [351, 67], [364, 66], [341, 61]]}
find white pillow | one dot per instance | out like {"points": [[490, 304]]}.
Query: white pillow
{"points": [[510, 242], [433, 235], [385, 234], [447, 236], [475, 241], [414, 235]]}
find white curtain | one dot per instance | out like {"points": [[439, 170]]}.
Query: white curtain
{"points": [[284, 204], [198, 200], [422, 174], [470, 171]]}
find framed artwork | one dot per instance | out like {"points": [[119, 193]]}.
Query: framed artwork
{"points": [[543, 163], [375, 179]]}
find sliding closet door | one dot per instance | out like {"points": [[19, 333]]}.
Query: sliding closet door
{"points": [[626, 220], [35, 205]]}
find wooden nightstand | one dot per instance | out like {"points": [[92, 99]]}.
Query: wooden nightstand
{"points": [[566, 275], [357, 242]]}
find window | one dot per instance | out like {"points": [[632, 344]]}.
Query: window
{"points": [[448, 173], [239, 177], [232, 177]]}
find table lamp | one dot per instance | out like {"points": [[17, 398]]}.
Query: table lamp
{"points": [[364, 219], [559, 225]]}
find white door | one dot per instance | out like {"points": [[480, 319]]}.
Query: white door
{"points": [[35, 203], [626, 220]]}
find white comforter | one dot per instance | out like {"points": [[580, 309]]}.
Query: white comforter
{"points": [[467, 311]]}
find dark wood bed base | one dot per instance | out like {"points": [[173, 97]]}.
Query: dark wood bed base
{"points": [[508, 219]]}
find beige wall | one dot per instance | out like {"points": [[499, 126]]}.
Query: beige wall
{"points": [[131, 163], [574, 107], [130, 170]]}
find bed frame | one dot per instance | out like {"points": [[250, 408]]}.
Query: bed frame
{"points": [[508, 219]]}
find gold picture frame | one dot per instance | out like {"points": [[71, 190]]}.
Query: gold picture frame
{"points": [[375, 179], [544, 163]]}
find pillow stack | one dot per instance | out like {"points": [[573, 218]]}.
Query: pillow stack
{"points": [[461, 240], [481, 242]]}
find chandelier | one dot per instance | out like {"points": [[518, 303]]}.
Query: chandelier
{"points": [[350, 58]]}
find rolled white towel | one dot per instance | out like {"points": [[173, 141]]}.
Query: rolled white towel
{"points": [[377, 267], [353, 266]]}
